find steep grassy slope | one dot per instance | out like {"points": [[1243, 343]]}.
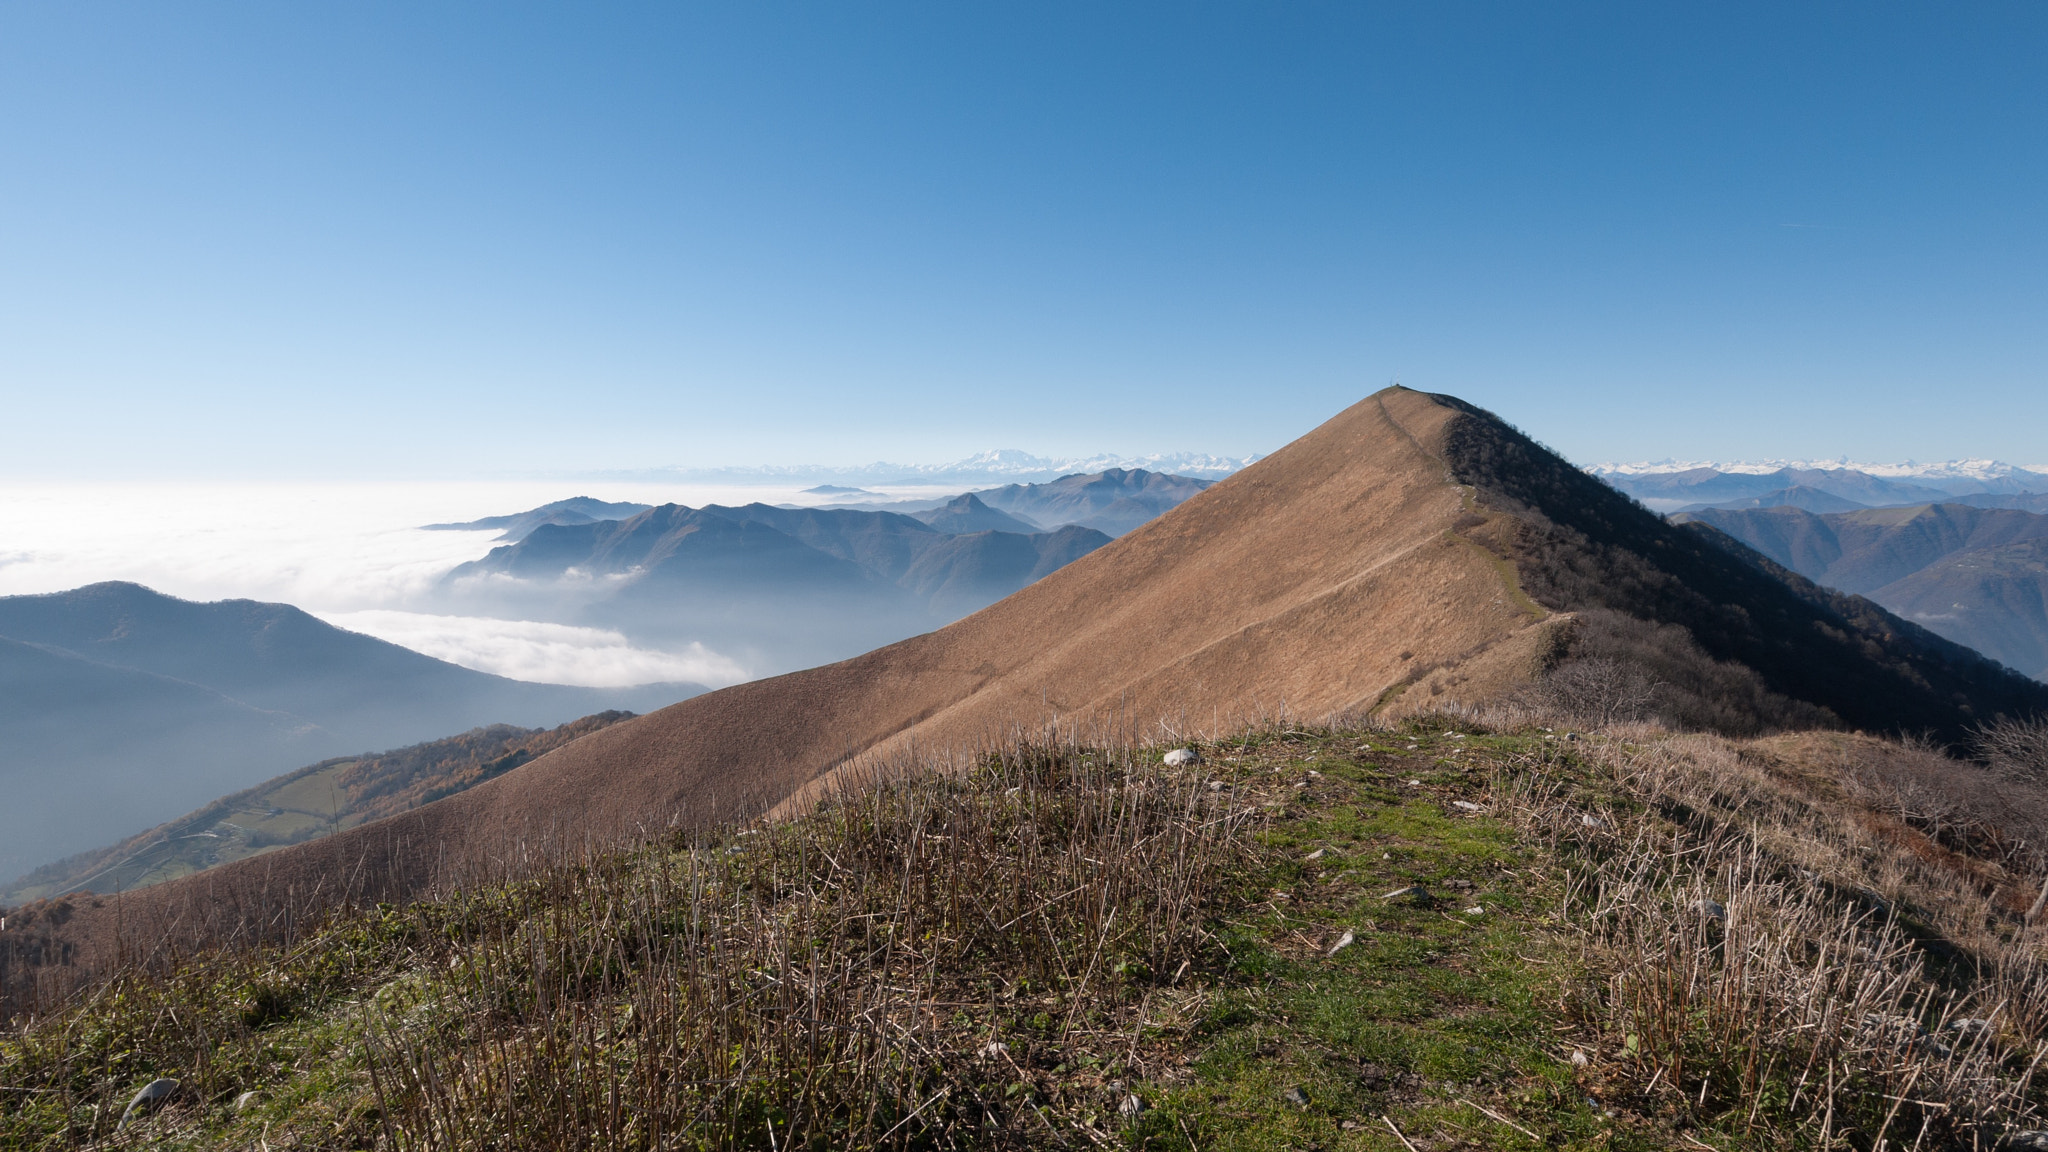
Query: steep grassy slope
{"points": [[1628, 942], [1309, 584], [315, 801]]}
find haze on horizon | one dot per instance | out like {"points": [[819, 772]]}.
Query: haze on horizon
{"points": [[400, 241]]}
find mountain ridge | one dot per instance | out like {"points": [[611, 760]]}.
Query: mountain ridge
{"points": [[1951, 470], [784, 586], [1394, 560], [966, 514], [1675, 487], [997, 466]]}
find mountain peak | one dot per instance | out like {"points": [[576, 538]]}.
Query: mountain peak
{"points": [[966, 513], [1412, 553]]}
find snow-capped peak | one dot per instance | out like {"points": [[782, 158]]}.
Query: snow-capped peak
{"points": [[1910, 469]]}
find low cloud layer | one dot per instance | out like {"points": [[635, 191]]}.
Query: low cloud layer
{"points": [[324, 547], [546, 653], [350, 553]]}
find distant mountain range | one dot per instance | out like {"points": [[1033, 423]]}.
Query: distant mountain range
{"points": [[575, 510], [1112, 501], [1978, 576], [1955, 546], [1682, 487], [780, 587], [120, 706], [1939, 472], [1005, 465], [314, 801]]}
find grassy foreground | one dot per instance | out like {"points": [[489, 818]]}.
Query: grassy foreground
{"points": [[1629, 944]]}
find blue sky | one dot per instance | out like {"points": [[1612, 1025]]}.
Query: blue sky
{"points": [[427, 239]]}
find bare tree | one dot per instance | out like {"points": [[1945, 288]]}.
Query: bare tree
{"points": [[2016, 749], [1599, 691]]}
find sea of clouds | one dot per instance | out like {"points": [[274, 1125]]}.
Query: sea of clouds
{"points": [[350, 553]]}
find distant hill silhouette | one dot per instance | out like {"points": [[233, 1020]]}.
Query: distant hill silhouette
{"points": [[127, 706], [314, 801], [94, 751], [964, 514], [1863, 551], [1709, 486], [574, 510], [1112, 502], [778, 587], [1810, 499], [2024, 501], [883, 543], [1972, 574], [964, 573], [1994, 599]]}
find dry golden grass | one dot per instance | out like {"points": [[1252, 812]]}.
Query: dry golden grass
{"points": [[1816, 937], [1750, 944]]}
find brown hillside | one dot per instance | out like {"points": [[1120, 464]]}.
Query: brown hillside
{"points": [[1311, 583], [1350, 571]]}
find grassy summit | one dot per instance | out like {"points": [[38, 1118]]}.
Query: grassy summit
{"points": [[1633, 940]]}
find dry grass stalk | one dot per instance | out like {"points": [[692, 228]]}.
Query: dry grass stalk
{"points": [[828, 983], [1780, 965]]}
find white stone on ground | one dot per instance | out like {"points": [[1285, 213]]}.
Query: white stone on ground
{"points": [[151, 1097]]}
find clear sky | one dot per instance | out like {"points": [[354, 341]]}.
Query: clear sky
{"points": [[423, 239]]}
